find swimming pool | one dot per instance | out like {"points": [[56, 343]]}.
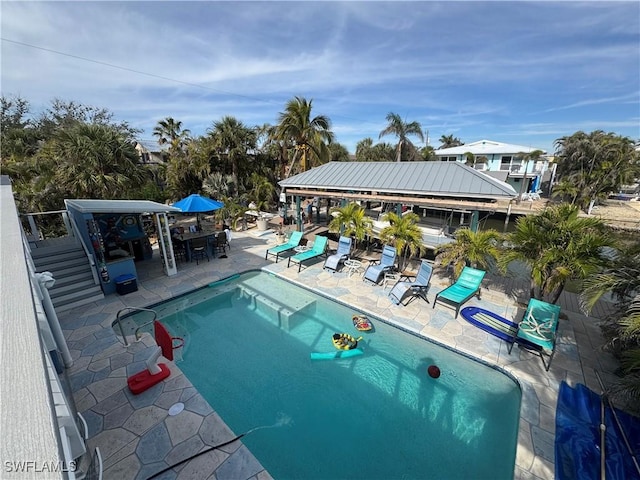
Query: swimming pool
{"points": [[378, 415]]}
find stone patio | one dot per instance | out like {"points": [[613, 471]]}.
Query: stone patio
{"points": [[138, 437]]}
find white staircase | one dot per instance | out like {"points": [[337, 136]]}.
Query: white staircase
{"points": [[75, 283]]}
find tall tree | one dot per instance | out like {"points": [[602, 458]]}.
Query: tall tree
{"points": [[448, 141], [309, 137], [96, 161], [366, 151], [170, 131], [404, 234], [597, 163], [339, 152], [405, 150], [233, 141]]}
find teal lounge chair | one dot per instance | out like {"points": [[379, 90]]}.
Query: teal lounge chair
{"points": [[538, 329], [293, 242], [465, 287], [319, 248]]}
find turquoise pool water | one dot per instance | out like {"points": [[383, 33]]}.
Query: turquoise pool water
{"points": [[375, 416]]}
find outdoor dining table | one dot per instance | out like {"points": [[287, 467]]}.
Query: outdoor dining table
{"points": [[188, 237]]}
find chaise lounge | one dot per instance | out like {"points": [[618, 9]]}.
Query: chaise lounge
{"points": [[466, 286], [293, 242], [344, 248], [412, 290], [319, 248], [538, 329], [374, 273]]}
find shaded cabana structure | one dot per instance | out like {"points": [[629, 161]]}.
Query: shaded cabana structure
{"points": [[447, 187]]}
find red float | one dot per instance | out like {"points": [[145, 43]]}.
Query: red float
{"points": [[144, 380]]}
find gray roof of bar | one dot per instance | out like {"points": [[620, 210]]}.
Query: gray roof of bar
{"points": [[118, 206], [442, 179]]}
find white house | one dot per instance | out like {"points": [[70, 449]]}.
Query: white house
{"points": [[503, 161]]}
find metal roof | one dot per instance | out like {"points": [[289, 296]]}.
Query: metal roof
{"points": [[118, 206], [486, 147], [438, 179]]}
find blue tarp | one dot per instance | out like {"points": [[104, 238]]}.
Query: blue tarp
{"points": [[577, 446]]}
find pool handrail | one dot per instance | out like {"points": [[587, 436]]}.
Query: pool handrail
{"points": [[138, 309]]}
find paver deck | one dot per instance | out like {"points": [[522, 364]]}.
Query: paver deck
{"points": [[138, 437]]}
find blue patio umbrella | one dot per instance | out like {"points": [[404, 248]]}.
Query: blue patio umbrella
{"points": [[195, 203]]}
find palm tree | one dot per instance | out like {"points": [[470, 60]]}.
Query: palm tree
{"points": [[558, 246], [96, 161], [402, 130], [403, 233], [351, 221], [233, 140], [621, 327], [448, 141], [169, 131], [262, 191], [598, 163], [479, 249], [308, 136]]}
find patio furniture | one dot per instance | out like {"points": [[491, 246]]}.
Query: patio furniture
{"points": [[466, 286], [413, 289], [293, 242], [344, 248], [390, 279], [219, 243], [319, 248], [199, 249], [352, 266], [539, 328], [375, 272]]}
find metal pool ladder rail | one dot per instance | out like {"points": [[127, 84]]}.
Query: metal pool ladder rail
{"points": [[136, 309]]}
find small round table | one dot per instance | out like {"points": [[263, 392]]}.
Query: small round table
{"points": [[352, 266], [390, 279], [301, 248]]}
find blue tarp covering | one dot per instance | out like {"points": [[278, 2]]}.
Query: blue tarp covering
{"points": [[577, 446]]}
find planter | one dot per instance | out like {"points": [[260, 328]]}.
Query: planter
{"points": [[262, 224]]}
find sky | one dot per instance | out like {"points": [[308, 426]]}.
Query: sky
{"points": [[526, 73]]}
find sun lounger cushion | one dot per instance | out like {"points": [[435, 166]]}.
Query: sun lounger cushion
{"points": [[319, 247], [293, 242], [465, 287]]}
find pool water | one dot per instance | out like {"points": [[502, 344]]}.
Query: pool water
{"points": [[378, 415]]}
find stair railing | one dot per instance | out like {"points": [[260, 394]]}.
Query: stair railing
{"points": [[75, 231], [136, 309]]}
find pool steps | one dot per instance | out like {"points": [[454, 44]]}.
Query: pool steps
{"points": [[279, 313]]}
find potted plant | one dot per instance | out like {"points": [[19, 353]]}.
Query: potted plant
{"points": [[262, 223]]}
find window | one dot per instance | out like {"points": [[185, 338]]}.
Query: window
{"points": [[448, 159], [505, 163]]}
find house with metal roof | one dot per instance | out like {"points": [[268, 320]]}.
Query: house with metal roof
{"points": [[444, 186], [503, 161]]}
